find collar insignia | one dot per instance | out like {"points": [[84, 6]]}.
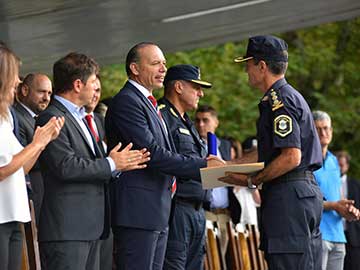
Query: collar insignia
{"points": [[173, 112]]}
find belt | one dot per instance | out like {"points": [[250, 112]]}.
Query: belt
{"points": [[295, 176], [291, 176], [197, 205], [219, 211]]}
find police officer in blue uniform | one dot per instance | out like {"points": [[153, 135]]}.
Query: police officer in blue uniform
{"points": [[288, 145], [186, 241]]}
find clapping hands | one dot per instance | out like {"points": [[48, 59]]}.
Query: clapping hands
{"points": [[45, 134], [127, 159]]}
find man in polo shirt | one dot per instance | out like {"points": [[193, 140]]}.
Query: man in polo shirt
{"points": [[335, 207]]}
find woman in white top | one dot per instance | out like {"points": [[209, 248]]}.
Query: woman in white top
{"points": [[15, 162]]}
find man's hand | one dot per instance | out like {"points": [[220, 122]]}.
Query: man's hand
{"points": [[214, 161], [128, 159], [43, 135], [344, 208], [354, 212], [234, 178]]}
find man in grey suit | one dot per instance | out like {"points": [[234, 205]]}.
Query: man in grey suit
{"points": [[75, 212], [33, 97]]}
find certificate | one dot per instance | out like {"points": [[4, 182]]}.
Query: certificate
{"points": [[209, 176]]}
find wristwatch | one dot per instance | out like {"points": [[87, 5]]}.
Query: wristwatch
{"points": [[250, 184]]}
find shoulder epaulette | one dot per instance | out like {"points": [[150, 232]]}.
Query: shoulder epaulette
{"points": [[275, 102]]}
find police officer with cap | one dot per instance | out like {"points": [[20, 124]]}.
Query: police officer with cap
{"points": [[183, 88], [289, 146]]}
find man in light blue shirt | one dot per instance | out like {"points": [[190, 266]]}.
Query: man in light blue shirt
{"points": [[335, 207]]}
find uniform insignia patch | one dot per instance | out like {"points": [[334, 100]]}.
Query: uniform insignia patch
{"points": [[184, 131], [173, 112], [161, 106], [283, 125]]}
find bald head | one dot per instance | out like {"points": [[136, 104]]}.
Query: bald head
{"points": [[35, 92]]}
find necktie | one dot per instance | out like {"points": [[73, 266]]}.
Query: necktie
{"points": [[173, 187], [154, 103], [89, 121]]}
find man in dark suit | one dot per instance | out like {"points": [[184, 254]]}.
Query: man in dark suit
{"points": [[141, 199], [33, 97], [223, 205], [96, 123], [351, 191], [75, 212]]}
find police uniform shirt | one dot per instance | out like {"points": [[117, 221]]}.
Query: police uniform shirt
{"points": [[286, 121], [187, 142]]}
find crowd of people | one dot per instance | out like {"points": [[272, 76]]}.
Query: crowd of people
{"points": [[122, 189]]}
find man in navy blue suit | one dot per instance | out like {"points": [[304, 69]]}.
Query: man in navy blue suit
{"points": [[141, 200]]}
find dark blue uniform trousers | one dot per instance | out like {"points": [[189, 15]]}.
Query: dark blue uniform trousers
{"points": [[186, 243], [290, 219]]}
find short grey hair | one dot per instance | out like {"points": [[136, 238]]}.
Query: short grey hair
{"points": [[321, 116]]}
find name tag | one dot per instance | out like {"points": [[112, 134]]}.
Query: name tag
{"points": [[184, 131]]}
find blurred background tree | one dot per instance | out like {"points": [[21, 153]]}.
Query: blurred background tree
{"points": [[323, 66]]}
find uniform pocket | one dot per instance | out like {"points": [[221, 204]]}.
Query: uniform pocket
{"points": [[185, 143], [303, 192]]}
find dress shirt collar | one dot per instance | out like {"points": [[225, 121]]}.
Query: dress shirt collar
{"points": [[72, 108], [141, 88]]}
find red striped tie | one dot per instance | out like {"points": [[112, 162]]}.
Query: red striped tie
{"points": [[89, 121], [173, 187], [154, 103]]}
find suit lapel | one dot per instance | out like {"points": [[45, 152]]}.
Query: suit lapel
{"points": [[26, 121], [101, 132], [153, 113], [69, 117], [26, 115]]}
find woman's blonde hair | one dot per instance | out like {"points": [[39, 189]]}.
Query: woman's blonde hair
{"points": [[9, 72]]}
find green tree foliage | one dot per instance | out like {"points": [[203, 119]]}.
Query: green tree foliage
{"points": [[323, 66]]}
